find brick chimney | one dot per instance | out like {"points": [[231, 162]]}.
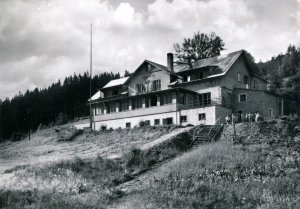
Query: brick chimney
{"points": [[170, 61]]}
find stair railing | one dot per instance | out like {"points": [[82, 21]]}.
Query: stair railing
{"points": [[197, 130], [215, 127]]}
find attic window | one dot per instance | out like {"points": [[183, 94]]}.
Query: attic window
{"points": [[149, 67], [239, 77]]}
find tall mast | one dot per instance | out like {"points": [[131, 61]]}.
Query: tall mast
{"points": [[91, 67]]}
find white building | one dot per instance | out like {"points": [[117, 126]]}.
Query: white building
{"points": [[184, 94]]}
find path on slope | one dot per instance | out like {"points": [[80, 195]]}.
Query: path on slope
{"points": [[156, 142]]}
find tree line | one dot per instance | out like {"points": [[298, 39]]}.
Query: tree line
{"points": [[57, 103]]}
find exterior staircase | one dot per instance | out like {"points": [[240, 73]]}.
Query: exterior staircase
{"points": [[206, 133]]}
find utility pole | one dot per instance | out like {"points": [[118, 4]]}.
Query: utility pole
{"points": [[233, 114], [91, 67], [29, 121]]}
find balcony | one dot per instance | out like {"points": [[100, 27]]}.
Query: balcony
{"points": [[137, 112], [201, 104]]}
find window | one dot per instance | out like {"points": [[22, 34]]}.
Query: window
{"points": [[270, 112], [253, 83], [115, 92], [183, 119], [167, 121], [128, 125], [156, 122], [205, 99], [137, 103], [147, 122], [149, 67], [162, 99], [112, 107], [156, 85], [124, 106], [239, 78], [153, 100], [202, 116], [243, 97], [201, 75], [98, 110], [246, 80], [186, 78], [140, 88], [181, 98], [108, 108], [168, 99]]}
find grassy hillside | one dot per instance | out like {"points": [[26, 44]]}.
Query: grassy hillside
{"points": [[259, 170], [83, 181]]}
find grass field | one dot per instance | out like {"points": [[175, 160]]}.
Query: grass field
{"points": [[260, 170]]}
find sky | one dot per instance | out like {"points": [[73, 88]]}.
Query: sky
{"points": [[42, 41]]}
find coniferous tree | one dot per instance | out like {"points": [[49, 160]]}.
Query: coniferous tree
{"points": [[67, 99]]}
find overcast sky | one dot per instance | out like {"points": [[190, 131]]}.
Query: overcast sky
{"points": [[42, 41]]}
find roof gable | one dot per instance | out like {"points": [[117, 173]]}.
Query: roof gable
{"points": [[156, 65]]}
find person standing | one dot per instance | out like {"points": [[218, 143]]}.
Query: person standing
{"points": [[243, 117], [257, 115], [251, 117], [227, 118]]}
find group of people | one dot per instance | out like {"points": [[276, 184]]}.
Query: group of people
{"points": [[243, 117]]}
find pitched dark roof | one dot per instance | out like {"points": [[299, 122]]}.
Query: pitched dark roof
{"points": [[222, 62]]}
